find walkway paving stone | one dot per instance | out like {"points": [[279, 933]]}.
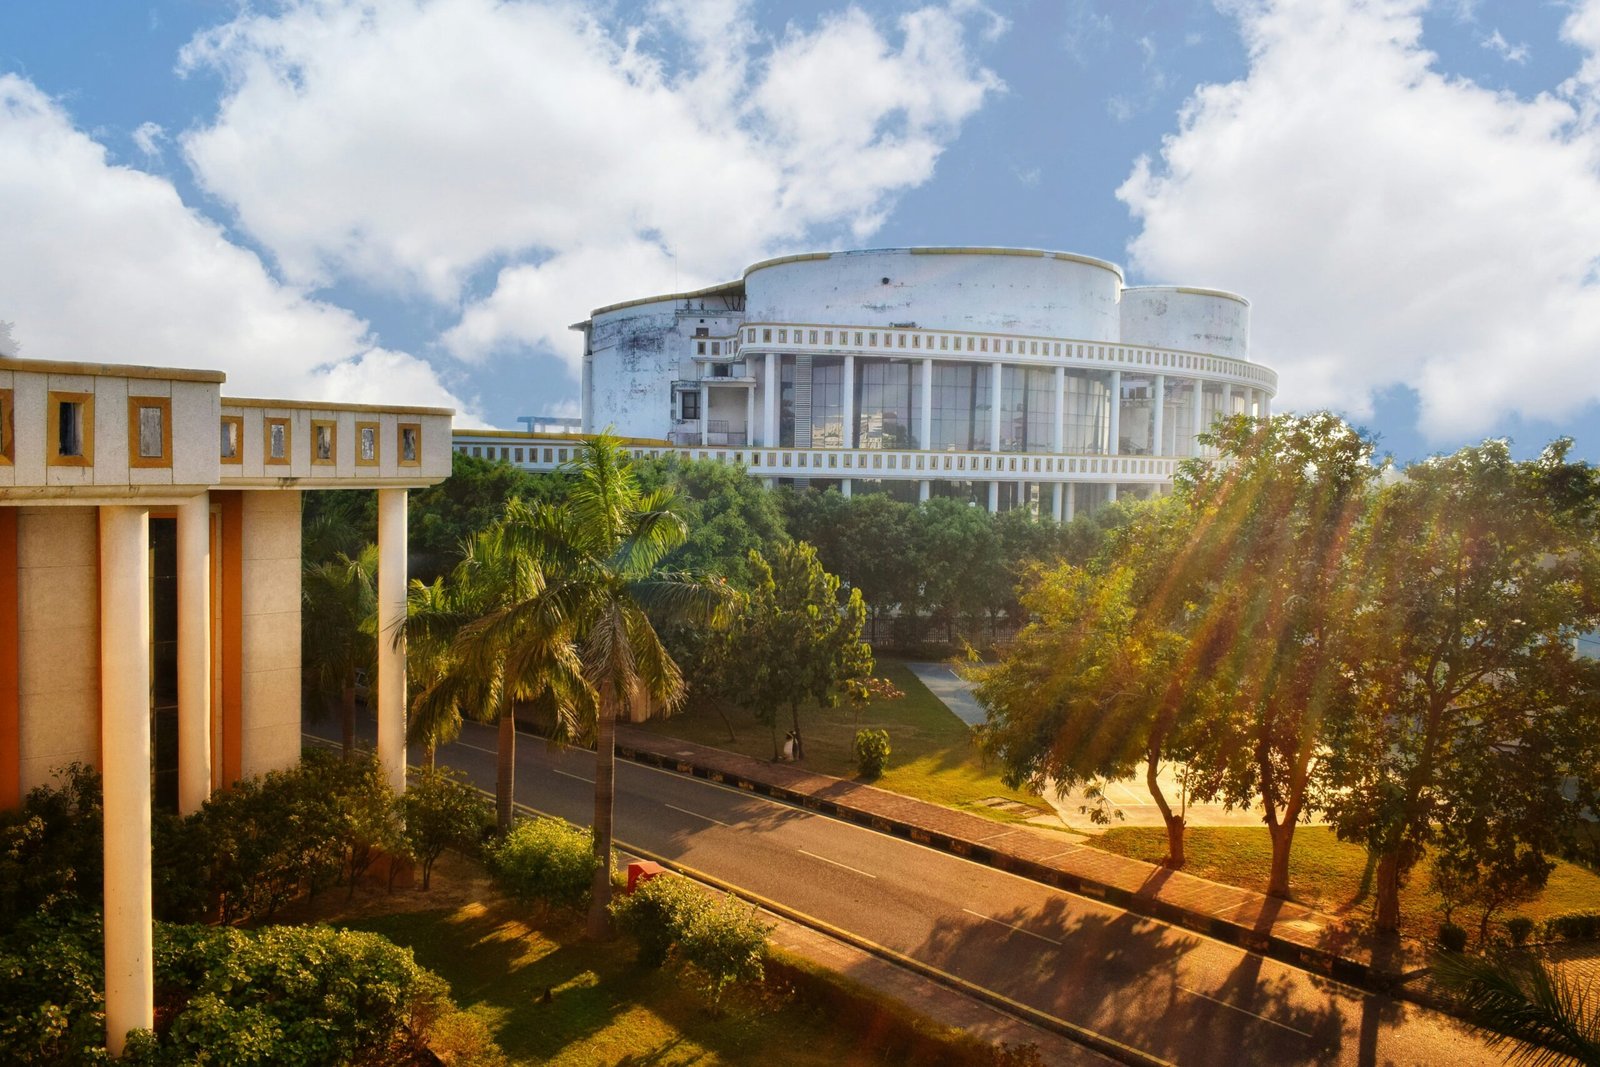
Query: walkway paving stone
{"points": [[1281, 929]]}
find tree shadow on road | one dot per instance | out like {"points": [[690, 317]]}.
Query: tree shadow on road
{"points": [[1134, 980]]}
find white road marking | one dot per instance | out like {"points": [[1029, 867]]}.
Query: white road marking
{"points": [[568, 774], [1245, 1011], [1018, 929], [836, 863], [475, 748], [696, 814]]}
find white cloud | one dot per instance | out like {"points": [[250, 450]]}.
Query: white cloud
{"points": [[105, 264], [1391, 224], [148, 138], [410, 143], [1511, 53]]}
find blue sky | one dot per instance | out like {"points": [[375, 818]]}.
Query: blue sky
{"points": [[412, 200]]}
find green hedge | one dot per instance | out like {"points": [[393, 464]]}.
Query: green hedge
{"points": [[278, 995]]}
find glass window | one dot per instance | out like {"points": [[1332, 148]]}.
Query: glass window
{"points": [[888, 403], [151, 424], [689, 404], [322, 441], [366, 444], [410, 444], [277, 440], [69, 417], [232, 434]]}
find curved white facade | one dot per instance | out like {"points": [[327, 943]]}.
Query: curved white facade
{"points": [[1013, 377]]}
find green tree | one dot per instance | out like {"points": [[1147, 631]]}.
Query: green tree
{"points": [[1472, 709], [728, 514], [1096, 685], [603, 555], [795, 641], [445, 517], [956, 552], [493, 637], [1275, 587], [442, 810], [340, 602]]}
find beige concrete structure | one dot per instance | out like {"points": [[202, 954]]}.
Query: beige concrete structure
{"points": [[150, 552]]}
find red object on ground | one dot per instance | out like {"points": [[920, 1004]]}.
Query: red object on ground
{"points": [[642, 871]]}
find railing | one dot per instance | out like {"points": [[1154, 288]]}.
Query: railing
{"points": [[898, 464], [1013, 348]]}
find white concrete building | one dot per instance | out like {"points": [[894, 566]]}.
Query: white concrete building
{"points": [[150, 595], [1011, 377]]}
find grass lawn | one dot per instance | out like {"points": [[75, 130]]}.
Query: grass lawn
{"points": [[603, 1008], [932, 754], [1332, 875]]}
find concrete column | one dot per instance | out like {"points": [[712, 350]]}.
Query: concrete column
{"points": [[844, 488], [1266, 404], [994, 497], [769, 432], [750, 416], [1111, 493], [926, 440], [1059, 441], [848, 402], [391, 643], [924, 490], [1199, 413], [1115, 446], [125, 741], [996, 378], [194, 653], [705, 414], [1158, 417], [1057, 493]]}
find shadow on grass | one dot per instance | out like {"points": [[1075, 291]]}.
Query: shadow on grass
{"points": [[1133, 980]]}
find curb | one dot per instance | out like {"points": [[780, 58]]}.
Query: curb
{"points": [[1306, 957]]}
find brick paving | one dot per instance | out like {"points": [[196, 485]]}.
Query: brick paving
{"points": [[1281, 929]]}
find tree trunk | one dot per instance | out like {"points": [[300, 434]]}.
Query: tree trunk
{"points": [[347, 710], [428, 759], [1282, 841], [732, 737], [505, 776], [605, 769], [1174, 822], [1387, 920], [799, 747]]}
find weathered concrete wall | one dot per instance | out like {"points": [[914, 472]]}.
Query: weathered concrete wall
{"points": [[58, 638], [1021, 293], [637, 352], [270, 717], [1193, 320]]}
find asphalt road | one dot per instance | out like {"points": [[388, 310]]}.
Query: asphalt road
{"points": [[1159, 988]]}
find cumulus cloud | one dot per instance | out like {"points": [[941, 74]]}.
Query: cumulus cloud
{"points": [[414, 143], [148, 137], [1512, 53], [106, 264], [1393, 225]]}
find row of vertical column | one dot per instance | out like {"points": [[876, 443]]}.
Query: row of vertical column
{"points": [[125, 647], [1256, 402]]}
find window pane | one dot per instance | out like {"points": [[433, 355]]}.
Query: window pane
{"points": [[278, 437], [369, 443], [150, 433]]}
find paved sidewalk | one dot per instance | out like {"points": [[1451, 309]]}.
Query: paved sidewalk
{"points": [[1280, 929]]}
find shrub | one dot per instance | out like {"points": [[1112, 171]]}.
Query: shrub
{"points": [[50, 848], [545, 861], [1520, 927], [656, 913], [720, 936], [872, 752], [443, 811], [1452, 938], [1574, 926], [283, 994]]}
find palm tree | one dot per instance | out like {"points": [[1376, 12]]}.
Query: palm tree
{"points": [[1526, 1003], [490, 638], [340, 601], [604, 551]]}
